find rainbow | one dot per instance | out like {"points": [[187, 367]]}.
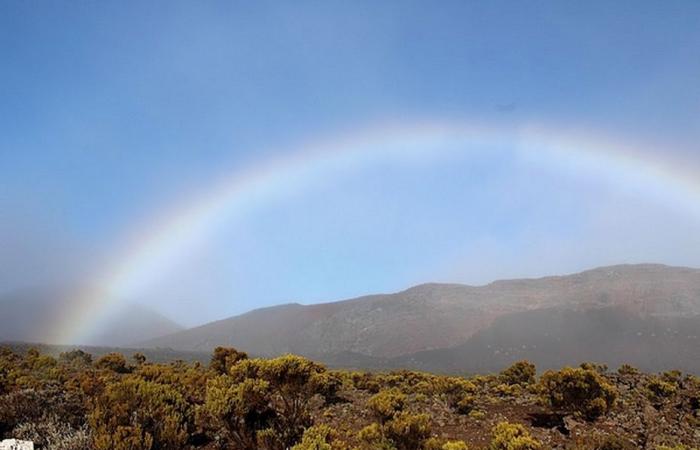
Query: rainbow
{"points": [[153, 248]]}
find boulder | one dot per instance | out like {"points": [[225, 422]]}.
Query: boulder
{"points": [[14, 444]]}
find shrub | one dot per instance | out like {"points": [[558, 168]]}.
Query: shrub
{"points": [[477, 415], [114, 362], [320, 437], [408, 431], [133, 413], [522, 373], [242, 409], [31, 405], [466, 404], [439, 444], [627, 370], [225, 357], [372, 437], [454, 445], [658, 390], [266, 402], [672, 376], [600, 368], [365, 381], [139, 358], [509, 436], [76, 358], [508, 390], [387, 403], [456, 391], [582, 391]]}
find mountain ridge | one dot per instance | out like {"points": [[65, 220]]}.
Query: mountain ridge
{"points": [[433, 316]]}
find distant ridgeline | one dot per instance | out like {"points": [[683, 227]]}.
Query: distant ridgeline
{"points": [[646, 315]]}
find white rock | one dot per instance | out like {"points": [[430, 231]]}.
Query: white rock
{"points": [[14, 444]]}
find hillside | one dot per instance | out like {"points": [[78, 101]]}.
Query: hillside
{"points": [[558, 337], [28, 313], [446, 316]]}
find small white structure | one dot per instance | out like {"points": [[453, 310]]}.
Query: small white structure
{"points": [[14, 444]]}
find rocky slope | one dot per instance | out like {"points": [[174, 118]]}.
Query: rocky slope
{"points": [[440, 316]]}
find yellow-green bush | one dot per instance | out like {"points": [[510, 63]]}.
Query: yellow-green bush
{"points": [[76, 357], [510, 436], [408, 431], [466, 404], [582, 391], [114, 362], [658, 390], [241, 409], [508, 390], [627, 370], [521, 372], [365, 381], [372, 437], [224, 358], [277, 389], [672, 376], [320, 437], [385, 404], [137, 414], [440, 444], [454, 445]]}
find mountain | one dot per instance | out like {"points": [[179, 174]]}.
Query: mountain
{"points": [[26, 314], [556, 337], [442, 326]]}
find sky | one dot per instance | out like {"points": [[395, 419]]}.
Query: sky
{"points": [[114, 114]]}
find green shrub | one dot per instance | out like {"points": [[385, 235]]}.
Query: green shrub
{"points": [[672, 376], [600, 368], [454, 445], [242, 409], [627, 370], [372, 437], [76, 357], [320, 437], [279, 392], [224, 358], [522, 373], [387, 403], [658, 390], [466, 404], [137, 414], [408, 431], [509, 436], [114, 362], [581, 391]]}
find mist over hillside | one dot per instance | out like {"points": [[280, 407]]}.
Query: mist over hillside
{"points": [[29, 313], [645, 314]]}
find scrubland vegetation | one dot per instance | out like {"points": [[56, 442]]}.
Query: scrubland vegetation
{"points": [[76, 402]]}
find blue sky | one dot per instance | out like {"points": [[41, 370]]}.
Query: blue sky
{"points": [[111, 112]]}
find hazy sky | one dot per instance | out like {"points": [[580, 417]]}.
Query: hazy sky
{"points": [[113, 112]]}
